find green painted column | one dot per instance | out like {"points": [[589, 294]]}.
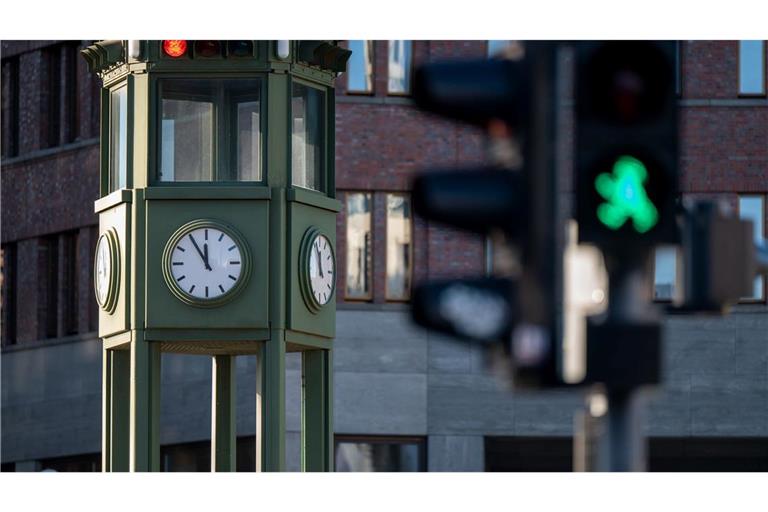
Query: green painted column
{"points": [[144, 404], [115, 410], [223, 426], [272, 398], [316, 411]]}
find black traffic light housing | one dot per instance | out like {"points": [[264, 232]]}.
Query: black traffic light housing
{"points": [[626, 144]]}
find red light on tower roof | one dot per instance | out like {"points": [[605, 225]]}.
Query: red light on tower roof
{"points": [[174, 47]]}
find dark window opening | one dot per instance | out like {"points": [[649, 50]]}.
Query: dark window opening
{"points": [[8, 285], [10, 107], [375, 454]]}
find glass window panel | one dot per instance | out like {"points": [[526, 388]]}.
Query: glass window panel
{"points": [[307, 136], [753, 208], [678, 67], [360, 66], [399, 67], [665, 273], [211, 130], [118, 138], [398, 247], [373, 455], [187, 131], [358, 246], [751, 67]]}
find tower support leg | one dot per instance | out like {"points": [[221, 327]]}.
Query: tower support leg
{"points": [[223, 438]]}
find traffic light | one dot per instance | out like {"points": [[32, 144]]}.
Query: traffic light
{"points": [[519, 201], [626, 144]]}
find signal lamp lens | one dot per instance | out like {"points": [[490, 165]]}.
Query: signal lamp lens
{"points": [[625, 195], [174, 47], [240, 48], [207, 49]]}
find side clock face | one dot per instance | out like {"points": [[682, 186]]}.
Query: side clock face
{"points": [[205, 263], [317, 269], [321, 269], [106, 271], [103, 270]]}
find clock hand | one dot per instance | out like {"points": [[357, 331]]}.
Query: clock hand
{"points": [[197, 247], [319, 261], [205, 250]]}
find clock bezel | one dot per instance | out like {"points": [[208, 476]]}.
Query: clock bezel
{"points": [[112, 240], [245, 258], [305, 282]]}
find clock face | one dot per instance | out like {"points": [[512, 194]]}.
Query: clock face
{"points": [[206, 263], [103, 276], [321, 269]]}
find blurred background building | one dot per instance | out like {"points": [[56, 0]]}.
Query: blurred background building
{"points": [[405, 399]]}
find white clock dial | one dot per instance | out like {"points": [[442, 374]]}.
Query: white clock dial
{"points": [[321, 269], [206, 263], [103, 270]]}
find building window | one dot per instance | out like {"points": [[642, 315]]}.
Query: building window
{"points": [[307, 136], [753, 208], [360, 67], [211, 130], [48, 306], [399, 254], [369, 454], [8, 297], [358, 216], [10, 107], [69, 281], [752, 68], [399, 67], [665, 273], [118, 138], [497, 46]]}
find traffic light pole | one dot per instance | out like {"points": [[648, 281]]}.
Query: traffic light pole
{"points": [[622, 446]]}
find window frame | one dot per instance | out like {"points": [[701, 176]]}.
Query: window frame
{"points": [[764, 74], [387, 297], [325, 162], [372, 45], [369, 296], [764, 198], [411, 68], [224, 128]]}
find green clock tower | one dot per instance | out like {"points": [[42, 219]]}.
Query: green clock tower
{"points": [[217, 232]]}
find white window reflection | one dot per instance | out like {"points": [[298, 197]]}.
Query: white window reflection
{"points": [[753, 208], [119, 138], [398, 247], [751, 67], [399, 67], [360, 66], [307, 136], [358, 246], [380, 455], [665, 273]]}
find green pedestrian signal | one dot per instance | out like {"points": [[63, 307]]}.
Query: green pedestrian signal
{"points": [[626, 197]]}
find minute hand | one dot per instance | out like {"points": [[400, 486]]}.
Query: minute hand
{"points": [[202, 256]]}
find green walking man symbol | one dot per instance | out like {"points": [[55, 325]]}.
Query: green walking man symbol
{"points": [[625, 196]]}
